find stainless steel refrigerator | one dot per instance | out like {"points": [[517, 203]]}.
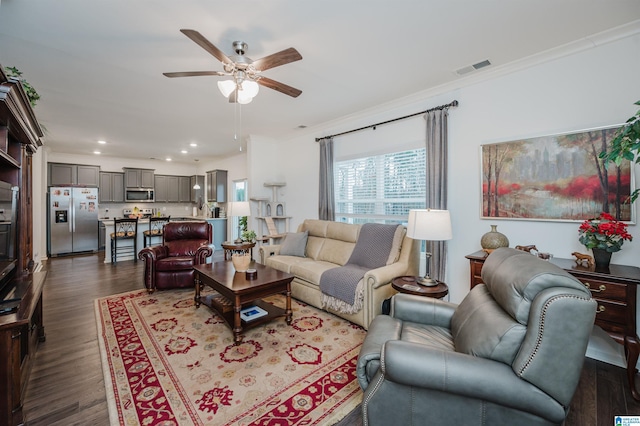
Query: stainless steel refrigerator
{"points": [[73, 220]]}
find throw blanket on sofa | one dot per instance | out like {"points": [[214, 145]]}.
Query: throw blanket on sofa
{"points": [[339, 286]]}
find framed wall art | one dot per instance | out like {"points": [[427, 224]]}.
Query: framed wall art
{"points": [[558, 177]]}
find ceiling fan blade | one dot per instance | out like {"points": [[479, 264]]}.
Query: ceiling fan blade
{"points": [[191, 73], [283, 57], [207, 45], [280, 87]]}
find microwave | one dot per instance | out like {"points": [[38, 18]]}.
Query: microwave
{"points": [[139, 195]]}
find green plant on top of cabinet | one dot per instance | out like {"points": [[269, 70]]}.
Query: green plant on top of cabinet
{"points": [[62, 174], [138, 178], [111, 187]]}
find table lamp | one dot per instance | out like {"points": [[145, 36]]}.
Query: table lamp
{"points": [[431, 225], [239, 209]]}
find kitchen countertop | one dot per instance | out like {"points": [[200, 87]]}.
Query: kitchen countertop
{"points": [[109, 220]]}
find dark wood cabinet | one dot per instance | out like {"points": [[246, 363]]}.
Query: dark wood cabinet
{"points": [[615, 291], [20, 331]]}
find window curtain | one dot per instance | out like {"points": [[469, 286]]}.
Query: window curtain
{"points": [[326, 201], [436, 164]]}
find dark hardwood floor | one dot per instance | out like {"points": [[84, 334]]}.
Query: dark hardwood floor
{"points": [[66, 385]]}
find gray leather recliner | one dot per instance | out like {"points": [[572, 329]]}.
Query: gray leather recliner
{"points": [[510, 353]]}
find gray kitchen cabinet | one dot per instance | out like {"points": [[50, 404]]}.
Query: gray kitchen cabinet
{"points": [[138, 178], [160, 187], [197, 195], [62, 174], [217, 186], [173, 189], [167, 188], [184, 189], [111, 187]]}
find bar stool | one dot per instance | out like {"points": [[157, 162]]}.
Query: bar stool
{"points": [[124, 229], [156, 227]]}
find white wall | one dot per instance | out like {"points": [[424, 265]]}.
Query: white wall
{"points": [[592, 87]]}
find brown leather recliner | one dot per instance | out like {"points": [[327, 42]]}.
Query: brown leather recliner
{"points": [[170, 265]]}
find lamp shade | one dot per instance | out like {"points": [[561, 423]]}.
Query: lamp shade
{"points": [[226, 87], [250, 88], [429, 224], [240, 208]]}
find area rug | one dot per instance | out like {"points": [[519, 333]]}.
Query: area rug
{"points": [[167, 363]]}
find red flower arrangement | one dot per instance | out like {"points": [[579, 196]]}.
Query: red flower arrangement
{"points": [[604, 232]]}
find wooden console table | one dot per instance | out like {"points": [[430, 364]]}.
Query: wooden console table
{"points": [[615, 292]]}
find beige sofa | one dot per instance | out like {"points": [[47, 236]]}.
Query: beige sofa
{"points": [[329, 245]]}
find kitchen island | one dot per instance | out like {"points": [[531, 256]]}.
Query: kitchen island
{"points": [[143, 225]]}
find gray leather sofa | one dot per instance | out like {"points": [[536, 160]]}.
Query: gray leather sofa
{"points": [[510, 354]]}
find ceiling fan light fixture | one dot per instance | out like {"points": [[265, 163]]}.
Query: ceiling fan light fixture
{"points": [[249, 88], [226, 87]]}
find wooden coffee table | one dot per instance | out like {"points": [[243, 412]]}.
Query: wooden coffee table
{"points": [[236, 291]]}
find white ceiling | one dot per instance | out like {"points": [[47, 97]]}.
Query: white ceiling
{"points": [[98, 64]]}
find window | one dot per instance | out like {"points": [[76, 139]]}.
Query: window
{"points": [[240, 192], [380, 188]]}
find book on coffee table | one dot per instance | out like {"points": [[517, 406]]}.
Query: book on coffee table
{"points": [[252, 312]]}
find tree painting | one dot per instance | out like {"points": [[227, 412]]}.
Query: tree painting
{"points": [[559, 177]]}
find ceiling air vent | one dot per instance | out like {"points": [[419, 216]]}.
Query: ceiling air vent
{"points": [[474, 67]]}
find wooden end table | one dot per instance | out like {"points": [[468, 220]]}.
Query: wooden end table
{"points": [[235, 291], [409, 285], [230, 247]]}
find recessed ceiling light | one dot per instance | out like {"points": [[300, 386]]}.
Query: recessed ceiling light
{"points": [[102, 142], [184, 151], [168, 159], [193, 144], [96, 152]]}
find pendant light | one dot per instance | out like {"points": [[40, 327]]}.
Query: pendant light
{"points": [[196, 186]]}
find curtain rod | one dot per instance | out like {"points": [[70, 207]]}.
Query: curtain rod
{"points": [[453, 103]]}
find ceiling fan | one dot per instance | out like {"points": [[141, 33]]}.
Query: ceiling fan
{"points": [[245, 72]]}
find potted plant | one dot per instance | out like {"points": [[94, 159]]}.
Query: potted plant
{"points": [[249, 235], [31, 93], [603, 235], [626, 145]]}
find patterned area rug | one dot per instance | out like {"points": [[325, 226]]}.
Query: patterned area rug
{"points": [[167, 363]]}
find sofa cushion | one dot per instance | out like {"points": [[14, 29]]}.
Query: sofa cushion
{"points": [[294, 244], [336, 251], [311, 270], [283, 263]]}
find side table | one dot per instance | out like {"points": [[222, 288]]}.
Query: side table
{"points": [[409, 285], [614, 290], [229, 247]]}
